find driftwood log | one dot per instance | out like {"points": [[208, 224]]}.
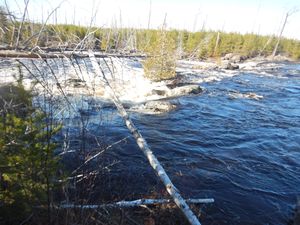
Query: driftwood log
{"points": [[134, 203]]}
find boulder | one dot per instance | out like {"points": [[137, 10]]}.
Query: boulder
{"points": [[185, 90], [159, 106], [74, 82], [235, 58], [232, 66], [154, 107], [249, 95], [253, 96], [229, 66], [159, 92], [228, 56]]}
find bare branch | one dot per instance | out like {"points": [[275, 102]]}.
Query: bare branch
{"points": [[136, 203], [44, 24], [99, 153], [287, 15], [21, 25]]}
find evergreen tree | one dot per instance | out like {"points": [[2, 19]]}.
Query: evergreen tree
{"points": [[27, 162], [161, 62]]}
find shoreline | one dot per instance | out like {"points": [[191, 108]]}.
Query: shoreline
{"points": [[68, 52]]}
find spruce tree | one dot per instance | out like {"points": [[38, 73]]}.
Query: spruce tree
{"points": [[28, 164], [161, 61]]}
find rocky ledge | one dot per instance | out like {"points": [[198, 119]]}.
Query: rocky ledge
{"points": [[164, 105], [170, 91]]}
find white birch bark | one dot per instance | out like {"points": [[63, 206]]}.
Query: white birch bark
{"points": [[142, 143], [21, 24], [280, 35], [135, 203], [287, 15]]}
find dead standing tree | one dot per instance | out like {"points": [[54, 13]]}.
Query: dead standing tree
{"points": [[21, 24], [287, 15]]}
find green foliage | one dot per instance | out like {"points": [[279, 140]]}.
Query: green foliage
{"points": [[199, 45], [28, 165], [5, 26], [162, 61]]}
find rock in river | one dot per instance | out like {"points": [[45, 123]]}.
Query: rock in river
{"points": [[159, 106], [154, 107], [229, 66], [249, 95], [185, 90]]}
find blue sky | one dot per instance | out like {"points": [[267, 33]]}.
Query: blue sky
{"points": [[258, 16]]}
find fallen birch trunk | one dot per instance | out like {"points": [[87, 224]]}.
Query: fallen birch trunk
{"points": [[135, 203], [142, 143]]}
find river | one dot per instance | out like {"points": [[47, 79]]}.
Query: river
{"points": [[242, 152]]}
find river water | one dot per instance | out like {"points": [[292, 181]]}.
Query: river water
{"points": [[245, 153]]}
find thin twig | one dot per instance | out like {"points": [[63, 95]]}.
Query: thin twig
{"points": [[99, 153]]}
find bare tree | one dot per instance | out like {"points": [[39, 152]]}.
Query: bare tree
{"points": [[13, 22], [217, 43], [44, 23], [287, 15], [22, 22], [149, 16]]}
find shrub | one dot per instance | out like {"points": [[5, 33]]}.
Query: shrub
{"points": [[27, 162], [161, 63]]}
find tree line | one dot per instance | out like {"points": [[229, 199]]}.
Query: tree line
{"points": [[197, 45]]}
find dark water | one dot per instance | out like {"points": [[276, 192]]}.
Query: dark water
{"points": [[244, 153]]}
